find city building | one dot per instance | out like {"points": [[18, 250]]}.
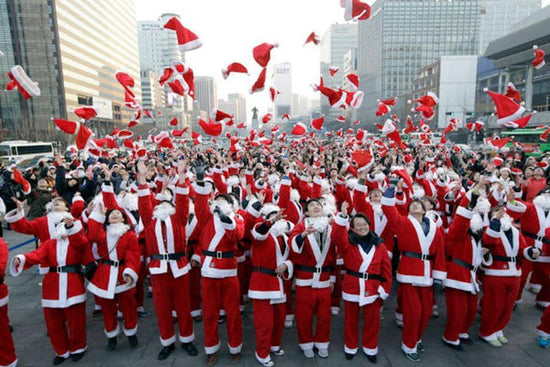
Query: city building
{"points": [[497, 16], [152, 97], [401, 37], [511, 57], [453, 80], [300, 105], [239, 105], [205, 94], [73, 50], [282, 81]]}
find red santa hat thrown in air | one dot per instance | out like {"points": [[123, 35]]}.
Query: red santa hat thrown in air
{"points": [[333, 70], [521, 122], [475, 126], [353, 81], [259, 85], [363, 158], [538, 62], [382, 109], [512, 92], [86, 112], [21, 81], [313, 38], [187, 40], [392, 133], [273, 93], [506, 108], [429, 99], [299, 129], [211, 128], [317, 124], [355, 10], [262, 53], [336, 98], [83, 134], [234, 68]]}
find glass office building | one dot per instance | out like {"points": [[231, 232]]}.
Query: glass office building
{"points": [[403, 36]]}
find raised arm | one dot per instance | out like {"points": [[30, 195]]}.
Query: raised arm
{"points": [[145, 204]]}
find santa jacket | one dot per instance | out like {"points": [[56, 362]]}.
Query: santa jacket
{"points": [[4, 298], [59, 289], [376, 261], [293, 209], [411, 238], [309, 254], [533, 221], [165, 237], [216, 236], [123, 251], [42, 227], [269, 252]]}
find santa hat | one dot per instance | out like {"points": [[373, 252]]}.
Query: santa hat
{"points": [[353, 80], [18, 178], [496, 143], [382, 109], [241, 125], [333, 70], [516, 171], [424, 127], [538, 62], [521, 122], [544, 135], [127, 83], [506, 108], [21, 81], [313, 38], [211, 128], [429, 99], [392, 133], [355, 99], [86, 112], [407, 158], [402, 173], [341, 118], [363, 158], [426, 111], [124, 134], [299, 129], [69, 127], [286, 116], [497, 161], [262, 53], [187, 40], [388, 102], [275, 128], [355, 10], [542, 164], [178, 133], [132, 123], [335, 97], [317, 124], [128, 143], [174, 122], [266, 118], [453, 126], [273, 93], [410, 127], [83, 136], [165, 143], [475, 126], [166, 74], [197, 138], [220, 115], [260, 82], [234, 68], [512, 92]]}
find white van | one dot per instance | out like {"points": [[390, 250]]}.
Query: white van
{"points": [[16, 151]]}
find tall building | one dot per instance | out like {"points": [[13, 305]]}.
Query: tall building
{"points": [[403, 36], [239, 104], [152, 98], [497, 16], [72, 49], [206, 93], [335, 43], [282, 81], [300, 105]]}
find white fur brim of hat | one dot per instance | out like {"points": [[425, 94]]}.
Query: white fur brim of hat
{"points": [[24, 80]]}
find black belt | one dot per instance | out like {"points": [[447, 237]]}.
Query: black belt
{"points": [[219, 254], [318, 269], [66, 269], [536, 238], [259, 269], [465, 264], [174, 256], [505, 258], [192, 242], [417, 255], [365, 276], [111, 262]]}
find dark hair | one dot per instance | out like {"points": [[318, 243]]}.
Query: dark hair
{"points": [[416, 201], [356, 216], [59, 198], [429, 200], [226, 197], [234, 196], [306, 206], [124, 218]]}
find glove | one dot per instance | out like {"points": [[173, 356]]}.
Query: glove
{"points": [[199, 172], [473, 202], [390, 192]]}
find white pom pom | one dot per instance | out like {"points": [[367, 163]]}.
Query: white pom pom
{"points": [[485, 89], [522, 103], [409, 101], [276, 44], [535, 47]]}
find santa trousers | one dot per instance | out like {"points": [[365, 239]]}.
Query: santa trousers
{"points": [[221, 293], [544, 326], [416, 305], [461, 313], [169, 294], [371, 327], [67, 328], [127, 305], [311, 302], [526, 268], [269, 321], [140, 285], [287, 284], [195, 291], [337, 291], [542, 270], [7, 350], [497, 304]]}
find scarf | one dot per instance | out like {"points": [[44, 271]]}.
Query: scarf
{"points": [[366, 242]]}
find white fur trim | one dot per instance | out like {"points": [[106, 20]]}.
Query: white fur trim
{"points": [[166, 342], [13, 216], [13, 271]]}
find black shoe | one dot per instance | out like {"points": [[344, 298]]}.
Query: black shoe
{"points": [[197, 318], [11, 329], [96, 313], [457, 347], [133, 340], [349, 356], [143, 314], [372, 359], [58, 360], [190, 349], [111, 343], [466, 341], [420, 348], [412, 356], [221, 319], [540, 307], [165, 352], [77, 356]]}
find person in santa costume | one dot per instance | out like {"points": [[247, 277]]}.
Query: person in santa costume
{"points": [[7, 349], [270, 267], [314, 258], [115, 278], [422, 263], [367, 281], [502, 273], [63, 293], [164, 228], [221, 230], [543, 328]]}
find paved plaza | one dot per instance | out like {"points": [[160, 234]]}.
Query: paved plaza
{"points": [[34, 349]]}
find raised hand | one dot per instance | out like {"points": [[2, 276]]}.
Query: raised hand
{"points": [[344, 208], [309, 230], [20, 204]]}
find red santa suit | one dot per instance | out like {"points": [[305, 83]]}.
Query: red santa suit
{"points": [[314, 264], [119, 255], [422, 261], [269, 251], [220, 284], [544, 327], [7, 350], [366, 284], [63, 293], [192, 233], [164, 229]]}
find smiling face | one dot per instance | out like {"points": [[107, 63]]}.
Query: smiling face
{"points": [[115, 217], [59, 206], [314, 209], [375, 196], [416, 208], [360, 226]]}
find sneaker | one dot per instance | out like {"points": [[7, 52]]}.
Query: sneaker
{"points": [[457, 347], [268, 363], [335, 311], [466, 341], [399, 323], [236, 357], [349, 356], [190, 349], [372, 359], [323, 352], [308, 353], [165, 352], [288, 324], [221, 319], [420, 348], [503, 339], [58, 360], [143, 314], [280, 352], [111, 343], [77, 356], [493, 343], [133, 340], [544, 342], [211, 359], [412, 356]]}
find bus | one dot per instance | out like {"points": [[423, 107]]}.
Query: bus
{"points": [[18, 150], [529, 139]]}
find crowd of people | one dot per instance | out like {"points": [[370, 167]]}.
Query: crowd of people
{"points": [[302, 230]]}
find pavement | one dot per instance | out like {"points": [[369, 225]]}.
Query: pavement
{"points": [[34, 349]]}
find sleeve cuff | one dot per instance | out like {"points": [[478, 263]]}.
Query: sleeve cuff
{"points": [[258, 236], [131, 273], [77, 198], [517, 207], [382, 293], [361, 188], [144, 192], [297, 249], [462, 211], [286, 182], [196, 257], [341, 221], [229, 226], [98, 217], [14, 216], [487, 260], [77, 227], [182, 190], [108, 188], [290, 270], [202, 190], [526, 254], [388, 201], [492, 233], [317, 180], [13, 271]]}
